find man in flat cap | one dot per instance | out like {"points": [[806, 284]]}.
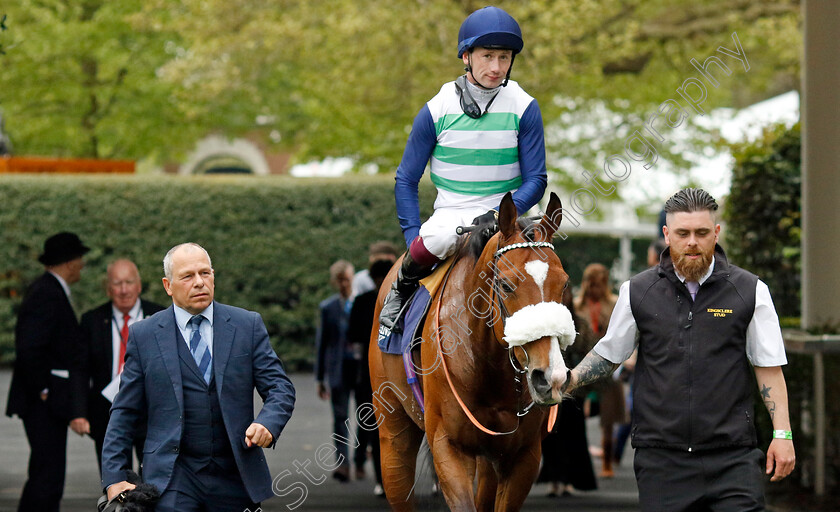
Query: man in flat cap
{"points": [[48, 343]]}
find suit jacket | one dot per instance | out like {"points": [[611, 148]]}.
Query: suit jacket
{"points": [[48, 343], [331, 341], [98, 361], [151, 386]]}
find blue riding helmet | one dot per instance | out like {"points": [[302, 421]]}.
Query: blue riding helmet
{"points": [[490, 27]]}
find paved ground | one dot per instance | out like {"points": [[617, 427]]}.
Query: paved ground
{"points": [[309, 428]]}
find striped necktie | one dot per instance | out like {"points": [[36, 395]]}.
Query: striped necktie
{"points": [[199, 348]]}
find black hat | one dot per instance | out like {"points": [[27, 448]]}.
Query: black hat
{"points": [[62, 247]]}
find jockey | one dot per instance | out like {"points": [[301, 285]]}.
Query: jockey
{"points": [[484, 137]]}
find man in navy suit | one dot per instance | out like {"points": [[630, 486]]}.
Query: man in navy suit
{"points": [[48, 341], [336, 360], [105, 330], [191, 370]]}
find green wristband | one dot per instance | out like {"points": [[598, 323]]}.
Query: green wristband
{"points": [[782, 434]]}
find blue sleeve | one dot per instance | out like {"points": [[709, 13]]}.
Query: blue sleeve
{"points": [[531, 159], [418, 151], [271, 382], [126, 414]]}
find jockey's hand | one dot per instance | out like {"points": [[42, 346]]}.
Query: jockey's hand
{"points": [[491, 217]]}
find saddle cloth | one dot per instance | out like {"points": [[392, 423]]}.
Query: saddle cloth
{"points": [[418, 305]]}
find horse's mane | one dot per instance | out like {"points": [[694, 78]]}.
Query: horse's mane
{"points": [[472, 245]]}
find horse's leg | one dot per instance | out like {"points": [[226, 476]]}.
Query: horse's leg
{"points": [[399, 440], [399, 436], [456, 472], [518, 473], [485, 496]]}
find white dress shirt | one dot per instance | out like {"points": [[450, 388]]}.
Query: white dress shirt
{"points": [[765, 346], [135, 315], [182, 318]]}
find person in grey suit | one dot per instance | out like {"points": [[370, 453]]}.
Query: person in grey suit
{"points": [[191, 371], [105, 330], [336, 360]]}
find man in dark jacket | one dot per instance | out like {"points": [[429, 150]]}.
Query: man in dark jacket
{"points": [[704, 328], [48, 343], [358, 335], [105, 331], [335, 363]]}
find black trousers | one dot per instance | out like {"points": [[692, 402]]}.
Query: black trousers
{"points": [[724, 480], [367, 437], [47, 436]]}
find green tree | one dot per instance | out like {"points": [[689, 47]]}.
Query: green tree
{"points": [[79, 80], [346, 77]]}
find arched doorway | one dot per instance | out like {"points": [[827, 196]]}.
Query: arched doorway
{"points": [[218, 155]]}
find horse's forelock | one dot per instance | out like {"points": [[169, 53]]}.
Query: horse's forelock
{"points": [[527, 226]]}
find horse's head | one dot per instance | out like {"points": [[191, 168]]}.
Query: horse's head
{"points": [[528, 285]]}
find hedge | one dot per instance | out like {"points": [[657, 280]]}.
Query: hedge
{"points": [[272, 239], [763, 214]]}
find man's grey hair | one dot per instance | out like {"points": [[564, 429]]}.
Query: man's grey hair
{"points": [[338, 268], [110, 268], [167, 260], [691, 200]]}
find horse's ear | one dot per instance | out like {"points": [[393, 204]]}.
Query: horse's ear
{"points": [[553, 215], [507, 215]]}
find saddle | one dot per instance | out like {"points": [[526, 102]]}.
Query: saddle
{"points": [[414, 313], [407, 341]]}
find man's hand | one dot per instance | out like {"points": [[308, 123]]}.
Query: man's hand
{"points": [[491, 217], [80, 426], [258, 435], [323, 392], [591, 369], [781, 455], [117, 488], [44, 395]]}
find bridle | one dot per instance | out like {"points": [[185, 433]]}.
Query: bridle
{"points": [[503, 311], [518, 370]]}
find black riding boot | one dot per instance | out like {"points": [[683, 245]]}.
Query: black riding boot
{"points": [[407, 281]]}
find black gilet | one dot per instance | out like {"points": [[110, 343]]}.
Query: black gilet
{"points": [[693, 387]]}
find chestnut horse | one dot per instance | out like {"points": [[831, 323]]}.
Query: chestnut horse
{"points": [[496, 317]]}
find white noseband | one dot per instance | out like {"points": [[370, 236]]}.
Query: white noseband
{"points": [[540, 320]]}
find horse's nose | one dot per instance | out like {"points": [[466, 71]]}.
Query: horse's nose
{"points": [[540, 383]]}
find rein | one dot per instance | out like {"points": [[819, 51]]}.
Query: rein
{"points": [[552, 416]]}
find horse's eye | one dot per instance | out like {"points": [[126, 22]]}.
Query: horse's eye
{"points": [[506, 287]]}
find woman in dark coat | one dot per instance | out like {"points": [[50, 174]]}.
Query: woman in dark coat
{"points": [[565, 450]]}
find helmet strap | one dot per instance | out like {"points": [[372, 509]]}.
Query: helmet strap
{"points": [[507, 77]]}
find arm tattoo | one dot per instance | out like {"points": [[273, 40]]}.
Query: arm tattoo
{"points": [[593, 368], [765, 392], [770, 404]]}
